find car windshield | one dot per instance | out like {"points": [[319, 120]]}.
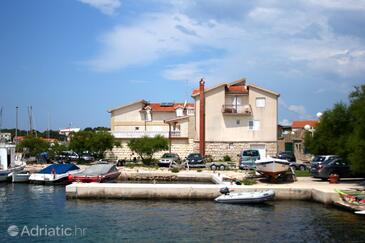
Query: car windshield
{"points": [[319, 159], [249, 153], [194, 156], [168, 156]]}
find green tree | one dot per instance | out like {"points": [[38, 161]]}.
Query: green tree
{"points": [[342, 131], [96, 142], [146, 146], [33, 145], [356, 141]]}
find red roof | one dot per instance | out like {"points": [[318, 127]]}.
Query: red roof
{"points": [[158, 107], [238, 89], [196, 91], [233, 89], [301, 124]]}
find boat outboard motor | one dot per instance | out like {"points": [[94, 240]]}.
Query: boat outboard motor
{"points": [[224, 190]]}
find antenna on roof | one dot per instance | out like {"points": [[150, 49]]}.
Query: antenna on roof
{"points": [[185, 103]]}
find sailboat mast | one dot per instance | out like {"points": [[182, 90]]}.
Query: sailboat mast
{"points": [[16, 124]]}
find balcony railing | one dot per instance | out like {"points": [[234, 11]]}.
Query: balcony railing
{"points": [[138, 134], [237, 109]]}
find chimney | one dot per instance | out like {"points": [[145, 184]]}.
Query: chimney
{"points": [[202, 118]]}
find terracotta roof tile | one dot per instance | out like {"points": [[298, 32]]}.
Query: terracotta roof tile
{"points": [[301, 124], [158, 107], [238, 89]]}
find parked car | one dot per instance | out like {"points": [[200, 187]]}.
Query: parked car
{"points": [[248, 158], [87, 157], [169, 159], [323, 158], [336, 166], [298, 166], [68, 156], [287, 155], [195, 160]]}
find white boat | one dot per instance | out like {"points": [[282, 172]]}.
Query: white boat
{"points": [[20, 177], [54, 174], [9, 163], [360, 212], [272, 167], [245, 197]]}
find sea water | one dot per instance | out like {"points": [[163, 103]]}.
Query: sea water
{"points": [[32, 213]]}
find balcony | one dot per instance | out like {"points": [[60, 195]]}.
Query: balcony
{"points": [[138, 134], [243, 110]]}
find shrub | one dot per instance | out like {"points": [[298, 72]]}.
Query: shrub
{"points": [[199, 170], [227, 158], [249, 181], [175, 170]]}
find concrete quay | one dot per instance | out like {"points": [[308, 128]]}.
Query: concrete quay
{"points": [[303, 189]]}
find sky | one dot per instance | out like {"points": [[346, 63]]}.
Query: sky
{"points": [[72, 60]]}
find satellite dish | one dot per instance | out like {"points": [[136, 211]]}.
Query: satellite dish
{"points": [[319, 114], [307, 127]]}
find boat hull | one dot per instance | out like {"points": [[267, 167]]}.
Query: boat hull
{"points": [[246, 197], [98, 178], [20, 177], [272, 167]]}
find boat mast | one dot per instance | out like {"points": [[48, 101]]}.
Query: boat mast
{"points": [[16, 124], [1, 120]]}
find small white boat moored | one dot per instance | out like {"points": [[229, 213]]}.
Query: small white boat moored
{"points": [[245, 197], [20, 177], [9, 163], [272, 167]]}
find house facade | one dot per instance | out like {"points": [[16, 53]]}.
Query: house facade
{"points": [[237, 117], [141, 118], [292, 139]]}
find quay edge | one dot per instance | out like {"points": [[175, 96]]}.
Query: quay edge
{"points": [[189, 191]]}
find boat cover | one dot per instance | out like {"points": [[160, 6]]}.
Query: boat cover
{"points": [[59, 168], [99, 169]]}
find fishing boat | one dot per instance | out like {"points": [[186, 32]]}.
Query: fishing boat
{"points": [[9, 163], [244, 197], [20, 177], [54, 174], [96, 173], [272, 167]]}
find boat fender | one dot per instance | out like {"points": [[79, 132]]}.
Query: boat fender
{"points": [[53, 173]]}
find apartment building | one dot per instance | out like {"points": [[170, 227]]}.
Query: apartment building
{"points": [[236, 116]]}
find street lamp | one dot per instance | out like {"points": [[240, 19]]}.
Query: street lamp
{"points": [[309, 129]]}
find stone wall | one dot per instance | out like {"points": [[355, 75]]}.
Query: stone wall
{"points": [[219, 149], [182, 147]]}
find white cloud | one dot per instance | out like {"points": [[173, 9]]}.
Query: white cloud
{"points": [[285, 122], [107, 7], [157, 36]]}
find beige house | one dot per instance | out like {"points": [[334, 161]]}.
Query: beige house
{"points": [[142, 118], [237, 117]]}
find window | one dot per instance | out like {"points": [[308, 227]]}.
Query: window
{"points": [[260, 102], [179, 112], [254, 125], [148, 115], [136, 128], [238, 122]]}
